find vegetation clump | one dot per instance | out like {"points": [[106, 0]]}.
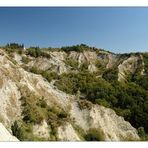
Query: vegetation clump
{"points": [[94, 135], [37, 52], [84, 104], [17, 131], [49, 76], [111, 75], [72, 63], [14, 47], [25, 59], [34, 111], [77, 48]]}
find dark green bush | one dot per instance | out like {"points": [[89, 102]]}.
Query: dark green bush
{"points": [[77, 48], [42, 103], [37, 52], [49, 76], [32, 113], [111, 75], [17, 131], [25, 59], [14, 47], [72, 63], [94, 135], [34, 51]]}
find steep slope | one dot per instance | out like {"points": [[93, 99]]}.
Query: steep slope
{"points": [[105, 121], [129, 66]]}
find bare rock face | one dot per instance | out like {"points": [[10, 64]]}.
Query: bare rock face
{"points": [[41, 130], [86, 56], [92, 68], [105, 120], [115, 128], [9, 104], [42, 63], [18, 58], [55, 63], [112, 60], [129, 66], [67, 133], [5, 136], [9, 93]]}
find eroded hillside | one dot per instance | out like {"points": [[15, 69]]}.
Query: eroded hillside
{"points": [[59, 94]]}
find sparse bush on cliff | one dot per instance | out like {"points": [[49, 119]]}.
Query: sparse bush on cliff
{"points": [[14, 47], [77, 48], [94, 135], [17, 131], [37, 52]]}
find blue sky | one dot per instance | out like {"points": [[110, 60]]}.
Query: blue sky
{"points": [[116, 29]]}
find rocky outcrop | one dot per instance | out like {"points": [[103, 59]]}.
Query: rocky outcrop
{"points": [[57, 60], [105, 120], [9, 103], [129, 66], [67, 133], [54, 63]]}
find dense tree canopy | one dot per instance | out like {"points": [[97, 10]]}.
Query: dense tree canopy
{"points": [[127, 99]]}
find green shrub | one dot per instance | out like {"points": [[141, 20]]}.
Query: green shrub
{"points": [[17, 131], [102, 102], [56, 116], [35, 70], [23, 131], [111, 75], [145, 57], [34, 51], [25, 59], [49, 76], [37, 52], [14, 47], [84, 67], [94, 135], [73, 63], [42, 103], [142, 134], [77, 48], [100, 66], [32, 114], [81, 133]]}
